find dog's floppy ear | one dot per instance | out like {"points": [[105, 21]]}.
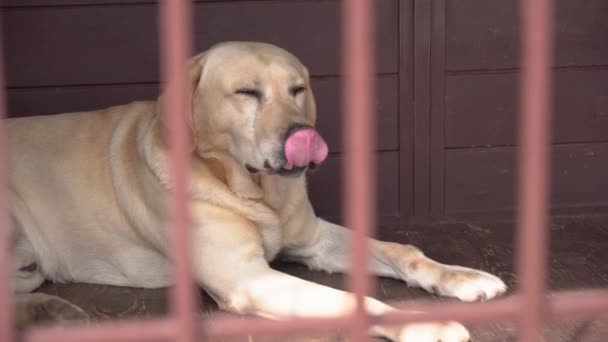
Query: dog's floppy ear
{"points": [[194, 69]]}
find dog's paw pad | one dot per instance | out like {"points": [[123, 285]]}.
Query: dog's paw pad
{"points": [[470, 285]]}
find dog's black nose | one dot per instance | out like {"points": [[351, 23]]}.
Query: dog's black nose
{"points": [[267, 164]]}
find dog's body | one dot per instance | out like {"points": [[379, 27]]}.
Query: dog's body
{"points": [[87, 196]]}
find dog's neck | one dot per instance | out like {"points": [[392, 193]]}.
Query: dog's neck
{"points": [[269, 189], [231, 172], [261, 188]]}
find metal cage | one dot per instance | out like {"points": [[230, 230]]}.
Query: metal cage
{"points": [[528, 308]]}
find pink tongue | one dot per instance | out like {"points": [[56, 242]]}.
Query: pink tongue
{"points": [[303, 147]]}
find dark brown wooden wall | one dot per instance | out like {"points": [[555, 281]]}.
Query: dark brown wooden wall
{"points": [[446, 75], [473, 117], [74, 55]]}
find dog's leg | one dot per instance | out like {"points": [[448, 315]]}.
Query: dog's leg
{"points": [[330, 252], [273, 294], [27, 275], [229, 263], [35, 308]]}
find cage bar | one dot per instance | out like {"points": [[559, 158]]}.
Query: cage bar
{"points": [[576, 304], [226, 327], [154, 330], [573, 304], [6, 305], [359, 140], [534, 159], [358, 61], [176, 38], [565, 304]]}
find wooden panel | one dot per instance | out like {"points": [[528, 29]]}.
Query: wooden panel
{"points": [[118, 43], [479, 180], [41, 101], [406, 109], [55, 100], [48, 3], [484, 34], [422, 108], [325, 186], [328, 94], [481, 109], [437, 143]]}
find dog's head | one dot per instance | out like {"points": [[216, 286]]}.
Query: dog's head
{"points": [[254, 101]]}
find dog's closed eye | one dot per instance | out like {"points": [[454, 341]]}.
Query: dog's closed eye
{"points": [[253, 93], [295, 90]]}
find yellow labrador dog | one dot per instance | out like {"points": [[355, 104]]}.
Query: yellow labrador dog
{"points": [[87, 199]]}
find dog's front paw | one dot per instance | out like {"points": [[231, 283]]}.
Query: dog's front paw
{"points": [[434, 332], [468, 284]]}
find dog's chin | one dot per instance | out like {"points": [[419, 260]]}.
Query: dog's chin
{"points": [[283, 172], [294, 172]]}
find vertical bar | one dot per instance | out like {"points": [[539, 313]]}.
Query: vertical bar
{"points": [[176, 38], [6, 307], [359, 129], [535, 131]]}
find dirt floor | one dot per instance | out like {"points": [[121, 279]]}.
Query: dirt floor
{"points": [[578, 259]]}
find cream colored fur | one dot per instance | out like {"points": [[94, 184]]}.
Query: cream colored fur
{"points": [[88, 190]]}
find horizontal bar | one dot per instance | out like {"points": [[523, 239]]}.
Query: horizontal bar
{"points": [[573, 304], [422, 311], [165, 330], [580, 304], [231, 327], [127, 331]]}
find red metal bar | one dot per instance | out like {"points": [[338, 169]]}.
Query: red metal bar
{"points": [[535, 131], [176, 41], [220, 327], [578, 304], [570, 304], [6, 305], [359, 137], [128, 331], [423, 311], [359, 198], [567, 304]]}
